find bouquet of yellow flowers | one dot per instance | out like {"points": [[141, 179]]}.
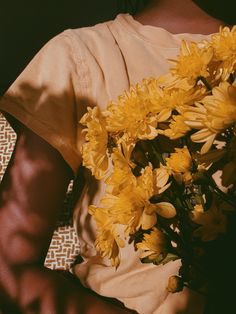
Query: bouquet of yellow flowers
{"points": [[167, 152]]}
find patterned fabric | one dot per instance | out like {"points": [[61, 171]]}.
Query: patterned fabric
{"points": [[64, 245]]}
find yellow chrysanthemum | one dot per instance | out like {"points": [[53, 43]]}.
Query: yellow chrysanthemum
{"points": [[108, 240], [198, 95], [148, 184], [94, 150], [221, 107], [193, 62], [180, 163], [177, 127], [132, 115], [213, 222], [132, 207], [224, 45], [217, 113], [106, 243], [153, 245], [164, 98], [122, 175]]}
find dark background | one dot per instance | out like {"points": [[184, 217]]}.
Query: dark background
{"points": [[26, 25]]}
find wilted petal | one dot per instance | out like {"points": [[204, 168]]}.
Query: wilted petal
{"points": [[147, 220], [162, 176], [165, 209], [205, 148], [202, 136]]}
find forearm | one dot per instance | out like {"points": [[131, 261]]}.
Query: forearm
{"points": [[31, 195]]}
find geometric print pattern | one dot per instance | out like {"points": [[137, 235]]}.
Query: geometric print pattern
{"points": [[7, 143]]}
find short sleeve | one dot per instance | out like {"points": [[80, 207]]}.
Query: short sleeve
{"points": [[43, 98]]}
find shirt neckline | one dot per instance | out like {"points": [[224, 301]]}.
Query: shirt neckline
{"points": [[155, 34]]}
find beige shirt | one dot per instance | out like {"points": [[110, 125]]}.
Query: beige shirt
{"points": [[91, 66]]}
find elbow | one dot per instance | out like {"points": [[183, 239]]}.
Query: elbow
{"points": [[24, 244], [24, 237], [23, 250]]}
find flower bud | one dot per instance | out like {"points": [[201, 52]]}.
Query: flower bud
{"points": [[175, 284]]}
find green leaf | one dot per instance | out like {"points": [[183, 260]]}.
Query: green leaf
{"points": [[170, 257], [162, 259]]}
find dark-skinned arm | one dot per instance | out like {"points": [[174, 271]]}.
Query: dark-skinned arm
{"points": [[31, 195]]}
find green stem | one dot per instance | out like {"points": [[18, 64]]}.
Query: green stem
{"points": [[155, 152], [205, 82], [226, 197]]}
